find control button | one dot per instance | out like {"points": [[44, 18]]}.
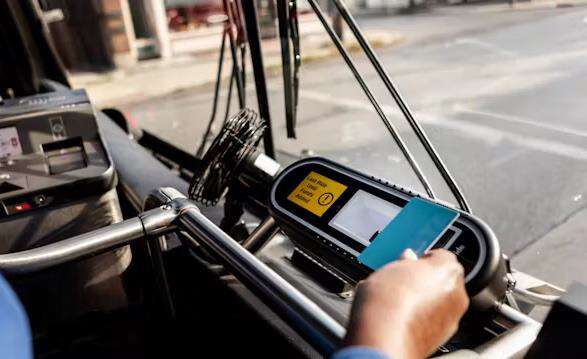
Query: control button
{"points": [[18, 208], [57, 128], [40, 200], [5, 176]]}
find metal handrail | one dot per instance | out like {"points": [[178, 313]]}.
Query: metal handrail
{"points": [[515, 342], [546, 300], [78, 247], [308, 319], [303, 315]]}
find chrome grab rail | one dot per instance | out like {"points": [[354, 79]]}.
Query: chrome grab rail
{"points": [[515, 342], [313, 323], [88, 244], [302, 314]]}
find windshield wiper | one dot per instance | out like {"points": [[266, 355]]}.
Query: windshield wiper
{"points": [[420, 134]]}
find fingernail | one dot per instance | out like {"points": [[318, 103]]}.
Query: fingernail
{"points": [[410, 254]]}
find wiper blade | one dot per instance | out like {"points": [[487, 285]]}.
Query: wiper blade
{"points": [[416, 127]]}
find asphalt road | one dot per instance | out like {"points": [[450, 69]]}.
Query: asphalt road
{"points": [[501, 95]]}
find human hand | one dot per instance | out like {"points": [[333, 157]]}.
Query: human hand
{"points": [[411, 306]]}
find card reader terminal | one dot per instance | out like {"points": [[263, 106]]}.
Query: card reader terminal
{"points": [[351, 223]]}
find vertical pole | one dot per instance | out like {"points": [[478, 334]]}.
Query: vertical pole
{"points": [[161, 28], [254, 38], [283, 16], [129, 29]]}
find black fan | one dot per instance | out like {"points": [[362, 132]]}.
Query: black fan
{"points": [[238, 138]]}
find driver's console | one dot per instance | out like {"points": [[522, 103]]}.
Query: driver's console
{"points": [[57, 181]]}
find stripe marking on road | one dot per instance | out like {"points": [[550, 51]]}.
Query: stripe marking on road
{"points": [[489, 135]]}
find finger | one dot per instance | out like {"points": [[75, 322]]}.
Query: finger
{"points": [[441, 256], [409, 254], [445, 259]]}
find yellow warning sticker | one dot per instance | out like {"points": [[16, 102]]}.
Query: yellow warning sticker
{"points": [[316, 193]]}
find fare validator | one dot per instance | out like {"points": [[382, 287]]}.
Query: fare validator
{"points": [[352, 224]]}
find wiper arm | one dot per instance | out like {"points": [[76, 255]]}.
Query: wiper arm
{"points": [[367, 91], [418, 130]]}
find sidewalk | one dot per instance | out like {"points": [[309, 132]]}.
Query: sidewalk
{"points": [[527, 5], [196, 54], [474, 6], [195, 64]]}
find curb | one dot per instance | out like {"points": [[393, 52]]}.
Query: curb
{"points": [[480, 7], [103, 93]]}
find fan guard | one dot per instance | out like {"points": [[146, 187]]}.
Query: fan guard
{"points": [[239, 137]]}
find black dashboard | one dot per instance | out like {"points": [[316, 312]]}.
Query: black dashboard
{"points": [[50, 152]]}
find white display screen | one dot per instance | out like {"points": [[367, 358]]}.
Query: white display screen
{"points": [[363, 216], [9, 142]]}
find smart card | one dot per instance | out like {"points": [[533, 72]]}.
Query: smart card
{"points": [[418, 226]]}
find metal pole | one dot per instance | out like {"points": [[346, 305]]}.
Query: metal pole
{"points": [[390, 127], [254, 38], [352, 24], [87, 244], [161, 28], [264, 232], [307, 318], [515, 342]]}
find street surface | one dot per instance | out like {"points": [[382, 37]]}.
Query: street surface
{"points": [[501, 94]]}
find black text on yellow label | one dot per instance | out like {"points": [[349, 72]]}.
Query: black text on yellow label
{"points": [[316, 193]]}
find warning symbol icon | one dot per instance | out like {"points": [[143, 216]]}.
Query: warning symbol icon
{"points": [[325, 199]]}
